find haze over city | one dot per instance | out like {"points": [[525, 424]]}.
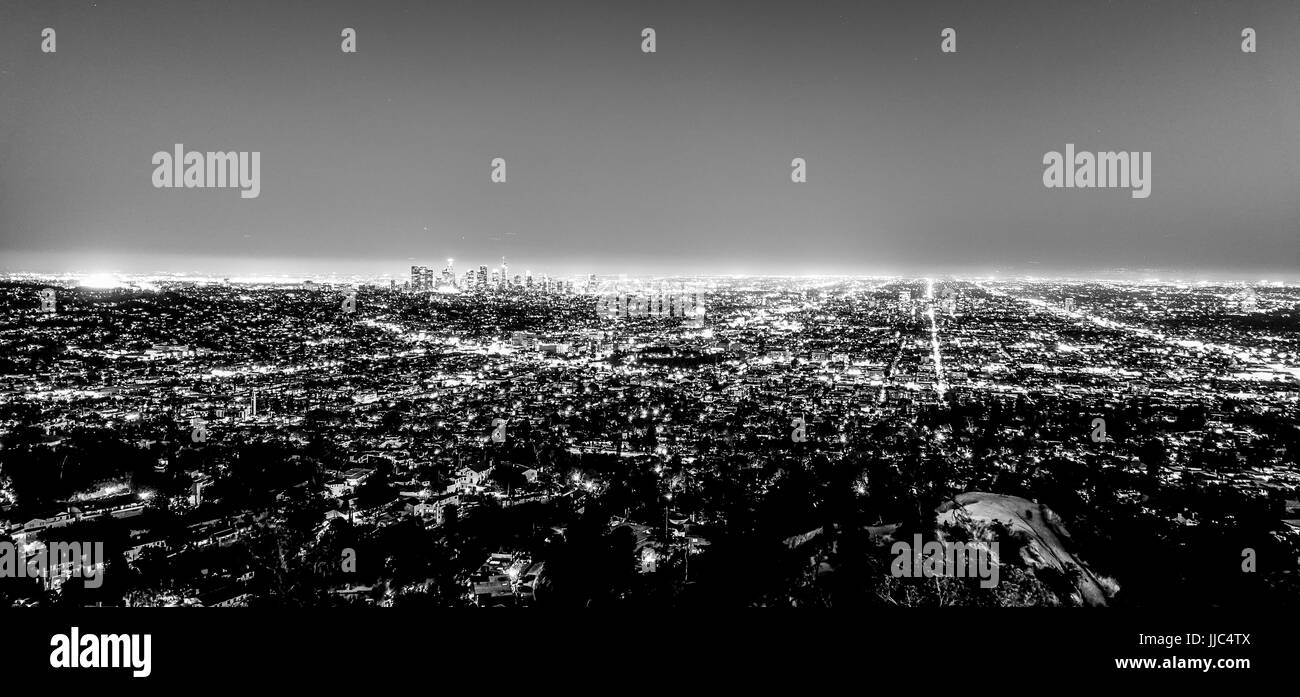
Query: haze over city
{"points": [[678, 161]]}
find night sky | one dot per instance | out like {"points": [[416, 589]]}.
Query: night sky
{"points": [[919, 162]]}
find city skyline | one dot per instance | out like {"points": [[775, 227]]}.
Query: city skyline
{"points": [[1130, 276], [381, 313]]}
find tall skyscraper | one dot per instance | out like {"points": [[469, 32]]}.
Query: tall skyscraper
{"points": [[421, 278]]}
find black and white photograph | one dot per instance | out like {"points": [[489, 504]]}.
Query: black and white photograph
{"points": [[451, 323]]}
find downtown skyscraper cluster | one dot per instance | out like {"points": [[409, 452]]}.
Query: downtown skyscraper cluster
{"points": [[483, 279]]}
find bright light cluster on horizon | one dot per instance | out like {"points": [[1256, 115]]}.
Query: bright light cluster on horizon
{"points": [[101, 281], [104, 280]]}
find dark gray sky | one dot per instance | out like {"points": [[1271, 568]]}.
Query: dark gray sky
{"points": [[678, 161]]}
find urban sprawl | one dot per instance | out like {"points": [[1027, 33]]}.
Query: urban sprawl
{"points": [[479, 438]]}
